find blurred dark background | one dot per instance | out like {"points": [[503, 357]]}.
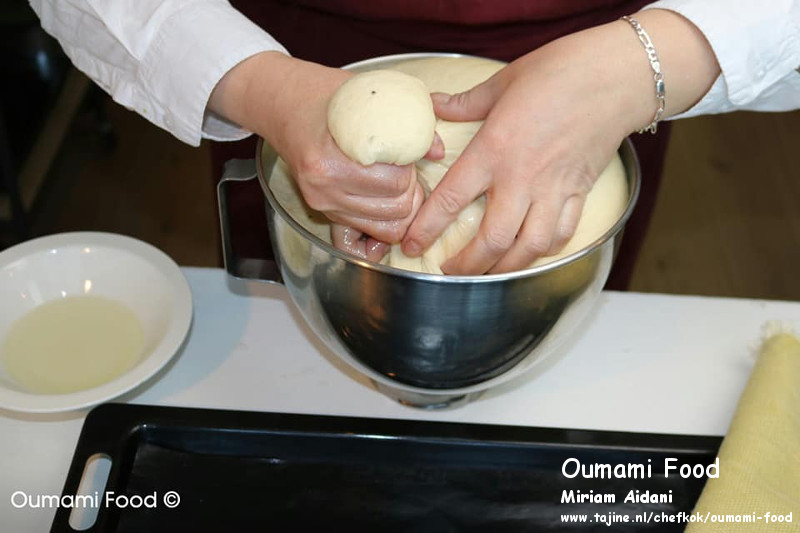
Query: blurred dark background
{"points": [[72, 159], [727, 221]]}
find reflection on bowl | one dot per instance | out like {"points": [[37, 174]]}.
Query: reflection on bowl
{"points": [[85, 317]]}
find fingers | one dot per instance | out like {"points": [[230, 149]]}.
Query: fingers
{"points": [[534, 240], [383, 208], [474, 104], [376, 192], [379, 192], [568, 222], [496, 236], [375, 249], [345, 238], [373, 194], [400, 209], [466, 179], [357, 243], [437, 149], [464, 182], [339, 174], [508, 241], [389, 231]]}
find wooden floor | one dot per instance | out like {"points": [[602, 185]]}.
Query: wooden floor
{"points": [[727, 222]]}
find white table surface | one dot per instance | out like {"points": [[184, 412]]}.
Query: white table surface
{"points": [[644, 362]]}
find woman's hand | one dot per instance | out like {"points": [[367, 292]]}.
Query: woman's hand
{"points": [[285, 100], [553, 120]]}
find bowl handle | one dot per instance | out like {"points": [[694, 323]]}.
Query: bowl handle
{"points": [[237, 170]]}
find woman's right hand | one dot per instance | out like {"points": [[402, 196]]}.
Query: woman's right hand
{"points": [[285, 100]]}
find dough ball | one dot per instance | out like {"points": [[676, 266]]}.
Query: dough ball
{"points": [[382, 116]]}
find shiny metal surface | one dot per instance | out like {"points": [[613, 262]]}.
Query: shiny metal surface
{"points": [[429, 340], [238, 170]]}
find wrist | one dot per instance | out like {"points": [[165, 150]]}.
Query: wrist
{"points": [[658, 75], [686, 61], [248, 89], [611, 70], [611, 63]]}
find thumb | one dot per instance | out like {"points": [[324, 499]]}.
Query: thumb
{"points": [[474, 104]]}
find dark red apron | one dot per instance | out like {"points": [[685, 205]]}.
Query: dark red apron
{"points": [[337, 32]]}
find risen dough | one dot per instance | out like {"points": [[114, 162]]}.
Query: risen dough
{"points": [[604, 204], [382, 116]]}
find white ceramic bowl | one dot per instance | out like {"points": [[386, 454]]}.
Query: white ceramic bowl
{"points": [[120, 268]]}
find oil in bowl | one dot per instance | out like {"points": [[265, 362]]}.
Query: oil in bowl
{"points": [[72, 344]]}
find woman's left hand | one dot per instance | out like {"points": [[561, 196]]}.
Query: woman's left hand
{"points": [[553, 120]]}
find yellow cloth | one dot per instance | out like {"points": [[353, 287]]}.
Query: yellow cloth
{"points": [[759, 458]]}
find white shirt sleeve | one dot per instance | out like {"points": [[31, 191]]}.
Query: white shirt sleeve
{"points": [[757, 44], [160, 58]]}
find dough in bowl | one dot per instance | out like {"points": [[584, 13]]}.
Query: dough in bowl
{"points": [[604, 205]]}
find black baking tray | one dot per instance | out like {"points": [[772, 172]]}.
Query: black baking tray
{"points": [[254, 471]]}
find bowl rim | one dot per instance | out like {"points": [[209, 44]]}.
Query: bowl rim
{"points": [[634, 187], [169, 346]]}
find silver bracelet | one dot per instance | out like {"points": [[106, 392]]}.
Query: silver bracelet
{"points": [[658, 76]]}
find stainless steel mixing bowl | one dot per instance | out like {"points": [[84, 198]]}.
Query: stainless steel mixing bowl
{"points": [[432, 340]]}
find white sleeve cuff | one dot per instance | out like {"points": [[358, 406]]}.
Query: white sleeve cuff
{"points": [[193, 50], [757, 45]]}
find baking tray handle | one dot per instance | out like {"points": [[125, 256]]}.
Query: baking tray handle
{"points": [[239, 170], [104, 443]]}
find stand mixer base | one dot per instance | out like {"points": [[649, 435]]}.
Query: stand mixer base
{"points": [[421, 400]]}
